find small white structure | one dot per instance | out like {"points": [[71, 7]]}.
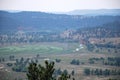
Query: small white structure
{"points": [[81, 46], [1, 66], [46, 59], [77, 49]]}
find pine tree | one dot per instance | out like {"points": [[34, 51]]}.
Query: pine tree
{"points": [[33, 72], [38, 72], [64, 77]]}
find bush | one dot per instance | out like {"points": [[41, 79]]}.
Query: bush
{"points": [[87, 71], [73, 72], [9, 64], [75, 62], [58, 60], [90, 47]]}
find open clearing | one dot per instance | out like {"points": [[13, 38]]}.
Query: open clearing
{"points": [[30, 49], [36, 48]]}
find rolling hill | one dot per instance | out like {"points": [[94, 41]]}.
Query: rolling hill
{"points": [[41, 21]]}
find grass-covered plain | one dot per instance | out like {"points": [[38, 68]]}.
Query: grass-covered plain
{"points": [[44, 48], [30, 49]]}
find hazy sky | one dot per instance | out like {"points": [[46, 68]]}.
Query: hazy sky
{"points": [[58, 5]]}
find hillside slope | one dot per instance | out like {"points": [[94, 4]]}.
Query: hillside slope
{"points": [[37, 21]]}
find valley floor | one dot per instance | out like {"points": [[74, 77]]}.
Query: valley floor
{"points": [[66, 52]]}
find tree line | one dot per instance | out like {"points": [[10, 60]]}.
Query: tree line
{"points": [[101, 72], [112, 61]]}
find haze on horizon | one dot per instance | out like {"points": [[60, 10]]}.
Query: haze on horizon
{"points": [[57, 5]]}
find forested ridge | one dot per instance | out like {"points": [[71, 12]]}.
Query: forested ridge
{"points": [[37, 21]]}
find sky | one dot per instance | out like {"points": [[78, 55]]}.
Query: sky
{"points": [[58, 5]]}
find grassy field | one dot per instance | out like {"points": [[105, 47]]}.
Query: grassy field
{"points": [[45, 48], [30, 49]]}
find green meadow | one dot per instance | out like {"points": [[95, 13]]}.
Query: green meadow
{"points": [[30, 49]]}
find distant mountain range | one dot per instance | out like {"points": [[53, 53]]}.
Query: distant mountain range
{"points": [[41, 21], [110, 12]]}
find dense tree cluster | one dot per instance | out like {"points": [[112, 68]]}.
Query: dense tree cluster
{"points": [[101, 72], [113, 61], [108, 45], [82, 34], [95, 60], [113, 79], [75, 62], [108, 30], [20, 65], [28, 37]]}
